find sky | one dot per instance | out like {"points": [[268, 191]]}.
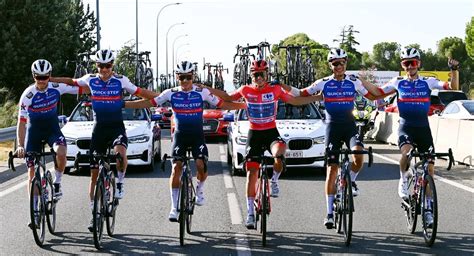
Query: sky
{"points": [[216, 27]]}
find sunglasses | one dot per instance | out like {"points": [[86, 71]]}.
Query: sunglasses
{"points": [[407, 63], [338, 63], [41, 78], [104, 65], [185, 77], [258, 74]]}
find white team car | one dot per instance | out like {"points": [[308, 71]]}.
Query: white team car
{"points": [[144, 136], [302, 127]]}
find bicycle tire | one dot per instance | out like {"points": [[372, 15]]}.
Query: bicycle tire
{"points": [[264, 212], [337, 206], [182, 211], [38, 230], [347, 209], [112, 204], [429, 234], [50, 205], [411, 211], [98, 212], [190, 207]]}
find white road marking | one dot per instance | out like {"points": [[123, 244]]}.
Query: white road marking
{"points": [[13, 189], [242, 245], [450, 182], [235, 216], [222, 149]]}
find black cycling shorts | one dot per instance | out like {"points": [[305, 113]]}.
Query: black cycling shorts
{"points": [[419, 136], [183, 141], [105, 134], [50, 132], [259, 141], [338, 134]]}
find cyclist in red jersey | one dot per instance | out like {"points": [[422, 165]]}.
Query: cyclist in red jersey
{"points": [[262, 102]]}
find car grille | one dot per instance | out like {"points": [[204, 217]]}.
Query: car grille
{"points": [[300, 144], [83, 144], [213, 123], [297, 161]]}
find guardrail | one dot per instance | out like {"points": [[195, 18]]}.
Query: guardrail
{"points": [[8, 133]]}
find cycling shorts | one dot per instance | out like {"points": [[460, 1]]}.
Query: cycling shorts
{"points": [[184, 141], [259, 141], [418, 136], [102, 135], [338, 134], [50, 133]]}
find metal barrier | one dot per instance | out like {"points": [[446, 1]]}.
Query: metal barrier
{"points": [[8, 133]]}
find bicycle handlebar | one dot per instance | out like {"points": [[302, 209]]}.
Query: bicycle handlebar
{"points": [[428, 155], [12, 156], [346, 151]]}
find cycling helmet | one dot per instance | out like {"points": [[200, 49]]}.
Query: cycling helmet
{"points": [[104, 56], [410, 53], [259, 65], [41, 67], [185, 67], [336, 54]]}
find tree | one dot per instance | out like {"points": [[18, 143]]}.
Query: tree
{"points": [[470, 38], [348, 43], [385, 55]]}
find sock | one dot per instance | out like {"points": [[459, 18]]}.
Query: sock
{"points": [[91, 205], [121, 176], [275, 176], [330, 206], [35, 200], [428, 202], [174, 197], [403, 175], [354, 176], [58, 175], [250, 209], [200, 187]]}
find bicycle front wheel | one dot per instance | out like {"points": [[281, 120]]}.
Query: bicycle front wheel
{"points": [[429, 205], [190, 206], [112, 204], [347, 208], [411, 209], [50, 203], [37, 211], [182, 212], [265, 203], [98, 212]]}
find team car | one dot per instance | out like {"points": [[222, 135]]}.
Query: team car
{"points": [[143, 132], [302, 128]]}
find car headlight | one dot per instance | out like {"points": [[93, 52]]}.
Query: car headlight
{"points": [[70, 141], [138, 139], [241, 140], [318, 140]]}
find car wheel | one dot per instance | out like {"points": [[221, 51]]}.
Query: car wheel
{"points": [[158, 154], [67, 170]]}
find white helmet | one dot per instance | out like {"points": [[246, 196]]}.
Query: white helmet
{"points": [[104, 56], [185, 67], [41, 67], [410, 53], [336, 54]]}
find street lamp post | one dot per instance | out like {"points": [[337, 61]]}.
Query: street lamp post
{"points": [[176, 24], [172, 47], [174, 54], [157, 17]]}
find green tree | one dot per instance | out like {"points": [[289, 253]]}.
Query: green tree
{"points": [[470, 38], [385, 55], [347, 42]]}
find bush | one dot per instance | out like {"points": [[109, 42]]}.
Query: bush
{"points": [[8, 109]]}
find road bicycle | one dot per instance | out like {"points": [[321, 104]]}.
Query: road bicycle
{"points": [[187, 196], [42, 196], [208, 79], [143, 72], [242, 68], [422, 199], [83, 64], [344, 201], [105, 203]]}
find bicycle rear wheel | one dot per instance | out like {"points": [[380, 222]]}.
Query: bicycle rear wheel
{"points": [[190, 207], [429, 205], [337, 205], [50, 203], [347, 206], [182, 212], [112, 204], [98, 212], [411, 209], [37, 212], [265, 201]]}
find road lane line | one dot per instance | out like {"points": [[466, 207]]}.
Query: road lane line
{"points": [[222, 149], [13, 189], [235, 216], [242, 245], [450, 182]]}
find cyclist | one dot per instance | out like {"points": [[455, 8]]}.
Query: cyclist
{"points": [[38, 114], [339, 91], [262, 100], [187, 104], [106, 89], [413, 104]]}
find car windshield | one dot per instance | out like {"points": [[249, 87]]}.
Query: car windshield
{"points": [[469, 106], [84, 113], [448, 96], [287, 111]]}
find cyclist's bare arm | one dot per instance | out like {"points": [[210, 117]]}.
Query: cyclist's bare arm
{"points": [[145, 103], [233, 105], [64, 80], [221, 94], [20, 138], [454, 64], [300, 100], [147, 94], [374, 91]]}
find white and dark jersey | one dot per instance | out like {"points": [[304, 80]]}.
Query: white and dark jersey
{"points": [[106, 96], [414, 98], [339, 96], [41, 106], [187, 106]]}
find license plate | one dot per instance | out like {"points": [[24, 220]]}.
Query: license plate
{"points": [[206, 128], [294, 154]]}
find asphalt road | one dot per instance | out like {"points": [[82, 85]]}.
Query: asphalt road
{"points": [[295, 225]]}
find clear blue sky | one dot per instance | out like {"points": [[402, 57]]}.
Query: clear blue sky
{"points": [[216, 27]]}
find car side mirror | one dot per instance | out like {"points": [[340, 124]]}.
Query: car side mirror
{"points": [[156, 117], [229, 117]]}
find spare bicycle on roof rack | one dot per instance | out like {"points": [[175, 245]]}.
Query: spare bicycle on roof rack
{"points": [[299, 70]]}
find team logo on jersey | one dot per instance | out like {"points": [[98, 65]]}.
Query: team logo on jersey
{"points": [[23, 106], [29, 95], [55, 85], [198, 89], [267, 97]]}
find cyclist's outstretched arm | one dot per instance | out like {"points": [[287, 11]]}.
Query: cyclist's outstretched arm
{"points": [[374, 90], [147, 94], [64, 80], [301, 100], [233, 105], [145, 103], [453, 66], [221, 94]]}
